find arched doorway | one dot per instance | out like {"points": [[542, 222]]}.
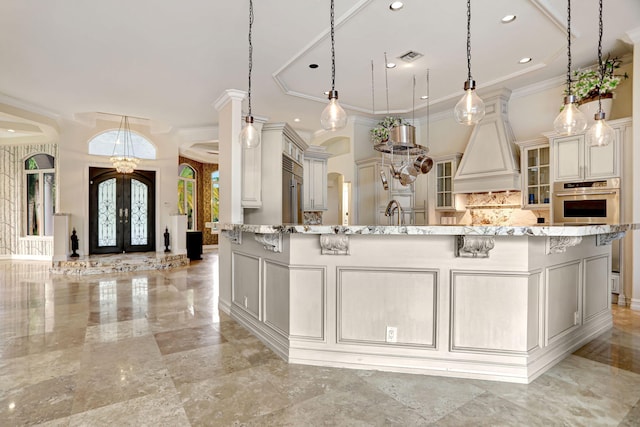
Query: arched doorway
{"points": [[121, 211]]}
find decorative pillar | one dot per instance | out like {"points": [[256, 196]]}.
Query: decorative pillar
{"points": [[229, 106], [178, 234], [61, 235], [631, 276]]}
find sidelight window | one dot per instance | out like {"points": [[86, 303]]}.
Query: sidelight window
{"points": [[40, 197], [187, 195]]}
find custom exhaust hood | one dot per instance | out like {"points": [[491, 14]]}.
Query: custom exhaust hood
{"points": [[490, 161]]}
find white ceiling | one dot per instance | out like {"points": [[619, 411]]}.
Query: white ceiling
{"points": [[170, 60]]}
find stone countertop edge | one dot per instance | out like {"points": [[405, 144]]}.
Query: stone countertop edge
{"points": [[438, 230]]}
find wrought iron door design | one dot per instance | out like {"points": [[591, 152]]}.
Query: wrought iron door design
{"points": [[121, 211]]}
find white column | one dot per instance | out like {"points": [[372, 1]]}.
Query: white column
{"points": [[632, 279], [47, 209], [61, 236], [178, 234], [229, 106]]}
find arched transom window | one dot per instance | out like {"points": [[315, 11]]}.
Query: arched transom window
{"points": [[104, 143]]}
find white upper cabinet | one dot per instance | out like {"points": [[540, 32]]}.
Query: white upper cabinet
{"points": [[445, 169], [536, 173], [573, 159], [315, 179]]}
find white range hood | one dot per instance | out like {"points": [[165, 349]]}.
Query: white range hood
{"points": [[491, 160]]}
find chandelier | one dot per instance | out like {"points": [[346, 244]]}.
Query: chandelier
{"points": [[123, 158]]}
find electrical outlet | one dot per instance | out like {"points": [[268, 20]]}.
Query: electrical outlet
{"points": [[246, 302], [392, 334]]}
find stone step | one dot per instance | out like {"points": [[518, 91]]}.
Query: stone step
{"points": [[119, 263]]}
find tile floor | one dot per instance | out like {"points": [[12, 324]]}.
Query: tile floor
{"points": [[150, 348]]}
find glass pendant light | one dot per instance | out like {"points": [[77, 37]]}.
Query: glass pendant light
{"points": [[570, 120], [249, 136], [333, 117], [600, 133], [470, 109]]}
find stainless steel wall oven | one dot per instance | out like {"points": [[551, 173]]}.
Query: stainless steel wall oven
{"points": [[589, 202]]}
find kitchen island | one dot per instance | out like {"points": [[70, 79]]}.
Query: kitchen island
{"points": [[491, 302]]}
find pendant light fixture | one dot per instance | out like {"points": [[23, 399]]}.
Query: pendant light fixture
{"points": [[127, 161], [570, 120], [333, 117], [470, 109], [249, 136], [600, 133]]}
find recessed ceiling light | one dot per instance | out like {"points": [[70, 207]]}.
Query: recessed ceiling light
{"points": [[424, 97], [396, 5], [524, 60], [297, 120], [391, 65], [508, 18], [11, 130], [313, 66]]}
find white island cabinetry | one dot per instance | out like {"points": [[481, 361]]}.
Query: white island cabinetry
{"points": [[499, 303]]}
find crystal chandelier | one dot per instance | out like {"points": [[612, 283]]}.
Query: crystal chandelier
{"points": [[123, 158]]}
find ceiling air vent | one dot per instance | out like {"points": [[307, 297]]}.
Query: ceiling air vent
{"points": [[410, 56]]}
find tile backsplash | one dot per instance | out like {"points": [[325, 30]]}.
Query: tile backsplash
{"points": [[499, 208]]}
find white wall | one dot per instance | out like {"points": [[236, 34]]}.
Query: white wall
{"points": [[74, 162]]}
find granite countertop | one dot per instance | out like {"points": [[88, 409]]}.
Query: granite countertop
{"points": [[442, 230]]}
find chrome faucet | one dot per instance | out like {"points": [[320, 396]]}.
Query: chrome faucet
{"points": [[392, 207]]}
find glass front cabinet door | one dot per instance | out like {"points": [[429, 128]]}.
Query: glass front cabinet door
{"points": [[445, 168], [535, 166]]}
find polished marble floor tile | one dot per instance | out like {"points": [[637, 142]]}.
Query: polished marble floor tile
{"points": [[151, 348]]}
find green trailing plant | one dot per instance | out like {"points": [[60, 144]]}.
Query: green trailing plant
{"points": [[380, 133], [586, 83]]}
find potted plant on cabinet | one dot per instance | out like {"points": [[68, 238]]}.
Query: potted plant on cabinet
{"points": [[380, 133], [587, 86]]}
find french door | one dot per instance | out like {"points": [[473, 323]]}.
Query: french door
{"points": [[121, 211]]}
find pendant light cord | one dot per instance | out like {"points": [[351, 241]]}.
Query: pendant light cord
{"points": [[250, 51], [569, 47], [333, 53], [601, 66], [469, 40]]}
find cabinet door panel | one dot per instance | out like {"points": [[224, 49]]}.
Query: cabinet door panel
{"points": [[601, 162], [568, 156], [368, 178], [318, 184]]}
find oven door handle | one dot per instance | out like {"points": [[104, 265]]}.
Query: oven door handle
{"points": [[591, 193]]}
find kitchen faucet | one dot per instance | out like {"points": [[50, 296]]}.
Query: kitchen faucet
{"points": [[392, 207]]}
